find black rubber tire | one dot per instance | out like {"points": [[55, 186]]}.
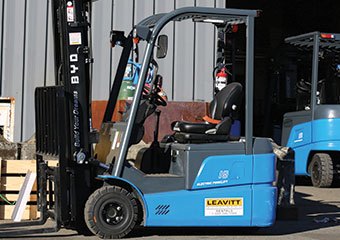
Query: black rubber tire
{"points": [[84, 230], [321, 170], [99, 216]]}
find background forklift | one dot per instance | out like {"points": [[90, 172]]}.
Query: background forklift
{"points": [[312, 131], [202, 177]]}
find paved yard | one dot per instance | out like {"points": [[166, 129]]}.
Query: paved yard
{"points": [[319, 218]]}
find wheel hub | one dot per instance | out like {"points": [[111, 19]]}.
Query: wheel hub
{"points": [[112, 213]]}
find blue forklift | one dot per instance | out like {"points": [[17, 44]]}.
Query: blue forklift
{"points": [[312, 131], [198, 177]]}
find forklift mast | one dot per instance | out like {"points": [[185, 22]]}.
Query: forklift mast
{"points": [[63, 119], [73, 59]]}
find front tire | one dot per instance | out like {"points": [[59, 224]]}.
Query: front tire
{"points": [[111, 212], [321, 170]]}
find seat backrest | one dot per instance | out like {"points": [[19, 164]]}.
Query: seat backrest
{"points": [[225, 101]]}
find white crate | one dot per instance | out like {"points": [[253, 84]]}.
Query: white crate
{"points": [[7, 106]]}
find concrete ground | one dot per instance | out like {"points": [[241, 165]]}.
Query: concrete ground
{"points": [[319, 218]]}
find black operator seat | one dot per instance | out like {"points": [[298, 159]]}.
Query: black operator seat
{"points": [[217, 129]]}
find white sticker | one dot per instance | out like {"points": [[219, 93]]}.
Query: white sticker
{"points": [[115, 140], [299, 137], [223, 207], [70, 14], [75, 38], [74, 80]]}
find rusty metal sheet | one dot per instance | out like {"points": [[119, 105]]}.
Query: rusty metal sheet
{"points": [[174, 111], [98, 110]]}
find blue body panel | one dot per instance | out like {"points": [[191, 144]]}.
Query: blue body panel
{"points": [[318, 135], [233, 170], [230, 170], [189, 207], [236, 192], [325, 130], [264, 205]]}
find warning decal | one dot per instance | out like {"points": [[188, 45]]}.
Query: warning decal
{"points": [[75, 38], [223, 207], [70, 12]]}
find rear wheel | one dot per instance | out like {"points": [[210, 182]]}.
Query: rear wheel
{"points": [[111, 212], [321, 170]]}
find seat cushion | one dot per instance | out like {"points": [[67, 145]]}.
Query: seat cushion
{"points": [[189, 127]]}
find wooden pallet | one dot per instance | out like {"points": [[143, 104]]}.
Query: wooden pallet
{"points": [[12, 176], [30, 212]]}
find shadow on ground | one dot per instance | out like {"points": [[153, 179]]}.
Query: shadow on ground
{"points": [[308, 212]]}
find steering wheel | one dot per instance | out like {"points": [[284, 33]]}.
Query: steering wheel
{"points": [[152, 90], [305, 87], [153, 95]]}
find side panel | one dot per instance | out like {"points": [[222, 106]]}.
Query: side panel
{"points": [[300, 140], [300, 135], [242, 206], [264, 205], [226, 170], [292, 119], [326, 130], [301, 158], [264, 168], [200, 207], [318, 135], [235, 170]]}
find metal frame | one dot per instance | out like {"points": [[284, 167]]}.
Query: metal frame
{"points": [[73, 177], [155, 24], [63, 120], [315, 42]]}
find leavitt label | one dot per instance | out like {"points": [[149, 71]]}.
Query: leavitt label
{"points": [[223, 207]]}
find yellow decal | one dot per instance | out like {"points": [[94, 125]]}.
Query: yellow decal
{"points": [[215, 202], [215, 207]]}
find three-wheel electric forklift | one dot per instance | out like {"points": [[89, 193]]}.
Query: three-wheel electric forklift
{"points": [[312, 131], [201, 176]]}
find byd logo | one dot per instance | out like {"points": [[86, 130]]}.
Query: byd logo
{"points": [[74, 69]]}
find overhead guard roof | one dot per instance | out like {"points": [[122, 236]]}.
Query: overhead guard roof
{"points": [[199, 14], [327, 40]]}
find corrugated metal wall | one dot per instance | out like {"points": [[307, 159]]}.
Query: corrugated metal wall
{"points": [[27, 60]]}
